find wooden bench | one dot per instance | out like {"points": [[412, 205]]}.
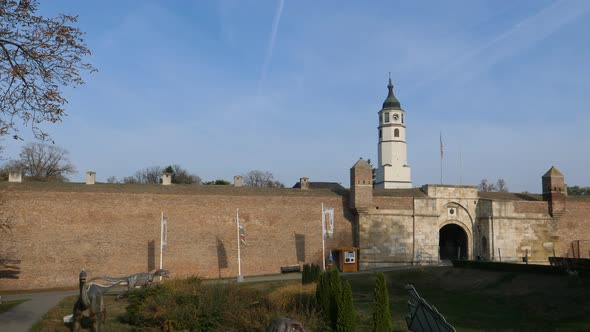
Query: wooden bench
{"points": [[290, 268]]}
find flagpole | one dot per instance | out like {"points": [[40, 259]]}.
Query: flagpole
{"points": [[441, 159], [323, 242], [240, 278], [460, 167], [161, 239]]}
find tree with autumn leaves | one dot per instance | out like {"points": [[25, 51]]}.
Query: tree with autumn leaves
{"points": [[39, 57]]}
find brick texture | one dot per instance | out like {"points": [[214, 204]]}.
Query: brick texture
{"points": [[574, 224], [116, 232]]}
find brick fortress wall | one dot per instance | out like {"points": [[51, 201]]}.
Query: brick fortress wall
{"points": [[575, 225], [114, 230]]}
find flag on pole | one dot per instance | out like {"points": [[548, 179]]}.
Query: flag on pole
{"points": [[164, 231], [441, 147], [242, 234], [328, 222]]}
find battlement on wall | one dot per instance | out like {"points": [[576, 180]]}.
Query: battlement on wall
{"points": [[177, 189]]}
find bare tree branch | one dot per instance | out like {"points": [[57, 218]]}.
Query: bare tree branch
{"points": [[261, 179], [38, 57], [44, 162]]}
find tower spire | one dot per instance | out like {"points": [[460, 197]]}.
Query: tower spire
{"points": [[391, 101]]}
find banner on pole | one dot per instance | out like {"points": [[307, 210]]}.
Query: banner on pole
{"points": [[242, 234], [328, 222], [164, 231]]}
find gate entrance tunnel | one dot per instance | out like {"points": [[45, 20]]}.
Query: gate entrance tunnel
{"points": [[452, 242]]}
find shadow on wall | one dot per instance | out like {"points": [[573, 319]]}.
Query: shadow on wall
{"points": [[9, 268], [348, 213], [300, 247], [221, 256], [151, 255]]}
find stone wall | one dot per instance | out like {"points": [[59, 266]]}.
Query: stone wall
{"points": [[575, 225], [114, 230], [385, 238], [517, 234]]}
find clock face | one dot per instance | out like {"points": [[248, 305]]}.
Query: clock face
{"points": [[396, 116]]}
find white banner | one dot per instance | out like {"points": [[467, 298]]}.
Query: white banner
{"points": [[164, 231], [328, 221]]}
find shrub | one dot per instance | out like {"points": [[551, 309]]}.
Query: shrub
{"points": [[335, 288], [190, 305], [306, 275], [346, 314], [311, 273], [315, 272], [323, 296], [381, 313]]}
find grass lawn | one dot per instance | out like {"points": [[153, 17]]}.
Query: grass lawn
{"points": [[477, 300], [7, 305]]}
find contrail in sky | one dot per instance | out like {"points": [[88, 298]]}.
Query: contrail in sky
{"points": [[522, 35], [271, 44]]}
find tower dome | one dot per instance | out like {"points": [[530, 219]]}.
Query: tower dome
{"points": [[391, 102]]}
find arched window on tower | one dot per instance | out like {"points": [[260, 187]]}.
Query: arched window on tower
{"points": [[386, 120], [396, 132], [380, 134]]}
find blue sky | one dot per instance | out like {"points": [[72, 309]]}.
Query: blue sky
{"points": [[294, 87]]}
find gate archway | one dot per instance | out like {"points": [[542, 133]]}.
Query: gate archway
{"points": [[453, 242]]}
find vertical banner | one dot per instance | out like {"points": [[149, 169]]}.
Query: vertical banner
{"points": [[241, 237], [163, 237], [327, 230], [328, 222], [164, 231]]}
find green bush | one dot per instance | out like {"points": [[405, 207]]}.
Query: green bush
{"points": [[305, 274], [193, 306], [315, 272], [335, 287], [323, 296], [381, 313], [346, 314]]}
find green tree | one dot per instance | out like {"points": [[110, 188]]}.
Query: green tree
{"points": [[218, 182], [381, 313], [335, 295], [346, 314], [578, 191], [181, 175], [315, 272], [39, 56], [322, 294], [305, 276]]}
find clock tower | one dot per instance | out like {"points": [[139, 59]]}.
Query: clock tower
{"points": [[393, 171]]}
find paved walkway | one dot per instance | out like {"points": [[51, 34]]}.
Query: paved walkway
{"points": [[22, 317]]}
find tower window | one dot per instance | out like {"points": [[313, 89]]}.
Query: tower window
{"points": [[386, 117], [380, 134], [396, 132]]}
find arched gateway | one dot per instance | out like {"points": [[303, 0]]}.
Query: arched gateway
{"points": [[453, 242]]}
